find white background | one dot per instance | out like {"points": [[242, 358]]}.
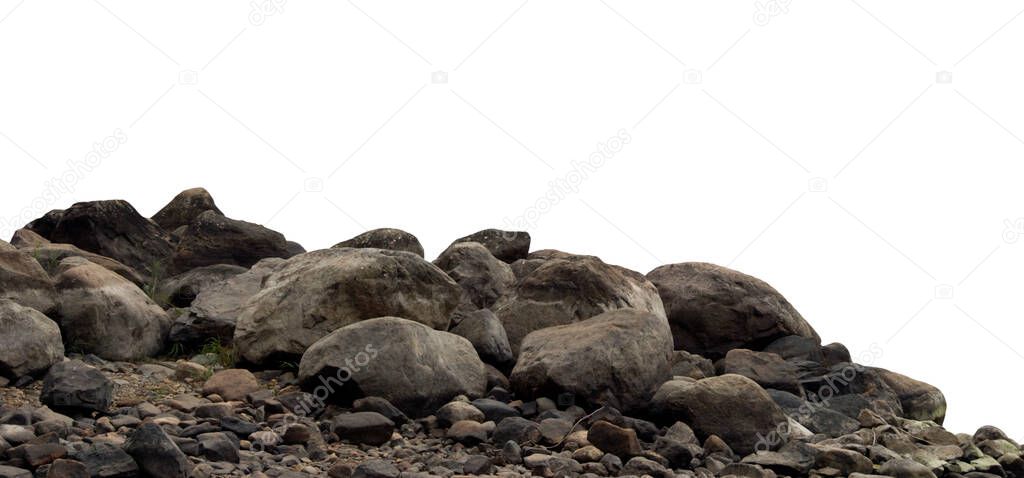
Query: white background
{"points": [[818, 147]]}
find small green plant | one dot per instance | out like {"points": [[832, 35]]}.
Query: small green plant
{"points": [[177, 350], [226, 356], [285, 365], [152, 288]]}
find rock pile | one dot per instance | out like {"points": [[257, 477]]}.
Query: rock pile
{"points": [[193, 344]]}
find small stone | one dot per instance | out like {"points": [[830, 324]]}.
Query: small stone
{"points": [[477, 465], [469, 432], [231, 384], [218, 446], [618, 441], [369, 428], [156, 454], [588, 454], [76, 385], [458, 411], [376, 469], [67, 469], [517, 429]]}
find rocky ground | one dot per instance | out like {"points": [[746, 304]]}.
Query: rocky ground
{"points": [[193, 344]]}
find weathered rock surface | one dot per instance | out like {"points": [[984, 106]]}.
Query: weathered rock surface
{"points": [[102, 313], [181, 290], [713, 310], [569, 288], [50, 255], [156, 454], [76, 385], [483, 278], [23, 280], [29, 341], [414, 367], [215, 310], [920, 401], [384, 238], [316, 293], [116, 230], [483, 329], [507, 246], [214, 239], [185, 208], [732, 407], [618, 358]]}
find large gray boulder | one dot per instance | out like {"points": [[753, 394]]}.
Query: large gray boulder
{"points": [[24, 281], [316, 293], [384, 238], [920, 401], [29, 341], [102, 313], [483, 329], [185, 208], [733, 407], [483, 278], [569, 288], [507, 246], [618, 358], [215, 310], [49, 255], [182, 289], [409, 364], [116, 230], [713, 310], [214, 239]]}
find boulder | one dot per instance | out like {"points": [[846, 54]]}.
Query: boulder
{"points": [[316, 293], [215, 310], [44, 225], [767, 369], [116, 230], [483, 278], [23, 280], [74, 385], [507, 246], [713, 310], [569, 288], [156, 454], [732, 407], [182, 289], [920, 400], [26, 239], [185, 208], [483, 329], [905, 468], [50, 256], [618, 358], [214, 239], [814, 415], [685, 364], [102, 313], [29, 342], [414, 367], [384, 238]]}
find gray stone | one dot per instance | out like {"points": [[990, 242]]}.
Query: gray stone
{"points": [[618, 358], [30, 342], [713, 310], [316, 293], [414, 367], [76, 385], [384, 238]]}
